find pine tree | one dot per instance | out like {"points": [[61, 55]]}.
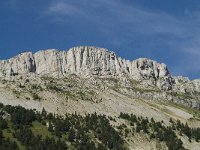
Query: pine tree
{"points": [[50, 128], [71, 136]]}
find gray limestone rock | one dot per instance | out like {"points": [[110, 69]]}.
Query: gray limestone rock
{"points": [[82, 61], [88, 62]]}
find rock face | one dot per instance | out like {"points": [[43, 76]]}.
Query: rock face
{"points": [[21, 65], [87, 61], [83, 61]]}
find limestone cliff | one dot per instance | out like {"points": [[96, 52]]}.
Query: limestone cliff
{"points": [[83, 61], [87, 61]]}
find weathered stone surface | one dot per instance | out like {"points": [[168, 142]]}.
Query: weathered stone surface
{"points": [[82, 61], [87, 61], [155, 81], [196, 84], [21, 64]]}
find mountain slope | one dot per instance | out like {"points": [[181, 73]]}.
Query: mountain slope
{"points": [[89, 62], [87, 80]]}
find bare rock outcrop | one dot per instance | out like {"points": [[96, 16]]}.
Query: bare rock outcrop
{"points": [[83, 61], [88, 62]]}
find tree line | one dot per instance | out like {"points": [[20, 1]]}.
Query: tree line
{"points": [[91, 132]]}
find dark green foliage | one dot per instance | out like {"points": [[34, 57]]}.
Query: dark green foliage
{"points": [[44, 113], [156, 130], [72, 135], [130, 117], [186, 130], [20, 116], [26, 137], [1, 105], [50, 128], [1, 136], [98, 125], [3, 123], [6, 144], [92, 132]]}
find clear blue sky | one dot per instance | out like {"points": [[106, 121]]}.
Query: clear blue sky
{"points": [[167, 31]]}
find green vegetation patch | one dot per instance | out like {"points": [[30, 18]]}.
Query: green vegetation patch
{"points": [[39, 129], [73, 131]]}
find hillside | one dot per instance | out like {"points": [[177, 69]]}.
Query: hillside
{"points": [[88, 80]]}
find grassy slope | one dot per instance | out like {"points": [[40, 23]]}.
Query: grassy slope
{"points": [[37, 129], [8, 133]]}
